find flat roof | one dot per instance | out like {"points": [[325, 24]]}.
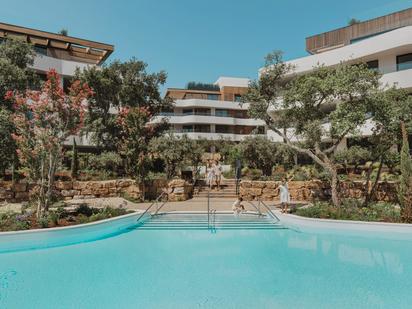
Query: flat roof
{"points": [[82, 48]]}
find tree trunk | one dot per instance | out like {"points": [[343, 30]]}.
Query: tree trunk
{"points": [[370, 194], [334, 185], [50, 182]]}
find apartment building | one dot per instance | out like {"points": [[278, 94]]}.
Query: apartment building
{"points": [[61, 53], [212, 111], [383, 43]]}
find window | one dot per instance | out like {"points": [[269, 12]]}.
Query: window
{"points": [[187, 112], [223, 129], [41, 50], [373, 65], [222, 113], [202, 128], [404, 62], [212, 96], [238, 98], [202, 111], [187, 129]]}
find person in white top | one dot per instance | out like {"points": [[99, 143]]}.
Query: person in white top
{"points": [[210, 177], [218, 174], [284, 195], [237, 206]]}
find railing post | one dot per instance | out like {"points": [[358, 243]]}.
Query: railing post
{"points": [[208, 208]]}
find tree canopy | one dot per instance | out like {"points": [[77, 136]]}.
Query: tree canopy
{"points": [[314, 112], [116, 86]]}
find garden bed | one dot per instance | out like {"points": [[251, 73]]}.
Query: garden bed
{"points": [[352, 210], [60, 217]]}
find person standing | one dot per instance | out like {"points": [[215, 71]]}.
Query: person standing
{"points": [[210, 177], [218, 174], [284, 195]]}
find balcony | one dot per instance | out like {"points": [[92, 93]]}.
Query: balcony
{"points": [[201, 119], [215, 136]]}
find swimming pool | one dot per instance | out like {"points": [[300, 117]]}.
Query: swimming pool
{"points": [[155, 267]]}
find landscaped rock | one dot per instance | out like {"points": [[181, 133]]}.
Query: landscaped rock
{"points": [[124, 182], [63, 185], [69, 193], [272, 184], [79, 185], [246, 184], [178, 190], [177, 183], [20, 187], [6, 194], [21, 196], [258, 184]]}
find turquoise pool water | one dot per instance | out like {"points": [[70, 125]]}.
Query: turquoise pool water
{"points": [[229, 268]]}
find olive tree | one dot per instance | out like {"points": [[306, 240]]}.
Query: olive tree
{"points": [[327, 103], [261, 153]]}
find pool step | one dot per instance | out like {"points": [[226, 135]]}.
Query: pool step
{"points": [[173, 221]]}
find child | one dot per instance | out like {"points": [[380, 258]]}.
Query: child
{"points": [[237, 206]]}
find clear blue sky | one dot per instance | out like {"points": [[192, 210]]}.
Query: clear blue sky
{"points": [[196, 40]]}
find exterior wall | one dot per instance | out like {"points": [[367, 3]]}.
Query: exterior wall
{"points": [[384, 47], [178, 189], [307, 191], [194, 111], [344, 36]]}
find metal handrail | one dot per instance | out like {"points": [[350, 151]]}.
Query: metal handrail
{"points": [[270, 211], [161, 206], [151, 205], [208, 208], [254, 206]]}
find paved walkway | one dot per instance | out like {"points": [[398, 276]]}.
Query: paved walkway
{"points": [[195, 204]]}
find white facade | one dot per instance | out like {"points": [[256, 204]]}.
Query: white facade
{"points": [[44, 63], [212, 119], [384, 48]]}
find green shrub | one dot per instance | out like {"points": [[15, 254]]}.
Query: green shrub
{"points": [[43, 222], [53, 217], [10, 221], [84, 209], [252, 173], [106, 161], [352, 210]]}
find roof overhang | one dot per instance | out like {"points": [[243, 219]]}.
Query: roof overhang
{"points": [[91, 51]]}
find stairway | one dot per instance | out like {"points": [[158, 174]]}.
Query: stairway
{"points": [[219, 221], [227, 189]]}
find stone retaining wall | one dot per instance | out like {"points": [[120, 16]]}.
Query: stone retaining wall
{"points": [[311, 190], [178, 189]]}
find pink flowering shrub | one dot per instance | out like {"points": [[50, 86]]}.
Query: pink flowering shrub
{"points": [[44, 120]]}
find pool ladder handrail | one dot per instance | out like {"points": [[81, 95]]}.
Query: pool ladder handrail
{"points": [[155, 202], [271, 213]]}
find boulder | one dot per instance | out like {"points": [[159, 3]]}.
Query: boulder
{"points": [[272, 184], [21, 196], [71, 193], [79, 185], [258, 184], [20, 187], [63, 185], [176, 183], [245, 184]]}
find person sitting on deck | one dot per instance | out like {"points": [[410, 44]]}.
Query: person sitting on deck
{"points": [[237, 206]]}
